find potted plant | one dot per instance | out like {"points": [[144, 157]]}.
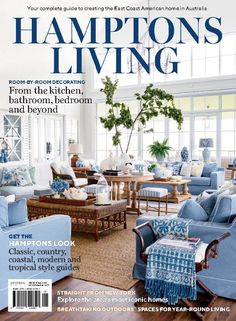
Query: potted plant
{"points": [[159, 150], [153, 102]]}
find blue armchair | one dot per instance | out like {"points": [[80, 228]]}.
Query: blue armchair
{"points": [[221, 276], [53, 228]]}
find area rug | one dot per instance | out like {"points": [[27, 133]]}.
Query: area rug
{"points": [[110, 260]]}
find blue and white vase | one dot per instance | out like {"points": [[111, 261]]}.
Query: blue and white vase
{"points": [[158, 172], [184, 154], [80, 163]]}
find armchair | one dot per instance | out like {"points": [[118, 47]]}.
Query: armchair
{"points": [[204, 254], [54, 228], [220, 278], [74, 178]]}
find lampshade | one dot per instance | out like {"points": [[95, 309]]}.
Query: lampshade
{"points": [[206, 142], [75, 148]]}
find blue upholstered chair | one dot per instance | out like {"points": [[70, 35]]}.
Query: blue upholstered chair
{"points": [[13, 222], [221, 276]]}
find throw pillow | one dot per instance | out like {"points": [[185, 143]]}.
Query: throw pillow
{"points": [[32, 174], [56, 166], [186, 169], [8, 177], [201, 197], [176, 167], [3, 212], [10, 198], [196, 170], [22, 177], [17, 212], [192, 210], [208, 169], [209, 203], [67, 170]]}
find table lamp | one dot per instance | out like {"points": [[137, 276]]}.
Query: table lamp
{"points": [[206, 143], [75, 150]]}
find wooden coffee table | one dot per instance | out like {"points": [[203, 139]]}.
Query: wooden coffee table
{"points": [[90, 219], [175, 196]]}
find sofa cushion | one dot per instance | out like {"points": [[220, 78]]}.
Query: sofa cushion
{"points": [[196, 170], [193, 210], [67, 170], [208, 169], [22, 177], [176, 167], [186, 169], [224, 210], [17, 212], [32, 172], [204, 195], [199, 181], [3, 212], [20, 191], [209, 203], [8, 178], [56, 166]]}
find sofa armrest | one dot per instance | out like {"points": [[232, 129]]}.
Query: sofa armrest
{"points": [[217, 179], [52, 228]]}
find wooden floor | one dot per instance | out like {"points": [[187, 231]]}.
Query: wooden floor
{"points": [[137, 291]]}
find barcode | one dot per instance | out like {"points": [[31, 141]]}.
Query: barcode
{"points": [[29, 299], [30, 295]]}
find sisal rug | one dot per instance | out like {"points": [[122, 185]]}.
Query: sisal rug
{"points": [[110, 260]]}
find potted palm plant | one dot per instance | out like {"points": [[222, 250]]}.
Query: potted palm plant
{"points": [[159, 150]]}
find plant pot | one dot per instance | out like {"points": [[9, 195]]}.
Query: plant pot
{"points": [[160, 159], [158, 172]]}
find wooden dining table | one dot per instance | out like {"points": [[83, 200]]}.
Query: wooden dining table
{"points": [[126, 181]]}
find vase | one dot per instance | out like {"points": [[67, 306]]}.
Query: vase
{"points": [[184, 154], [158, 172], [206, 155], [234, 162], [124, 159], [79, 163]]}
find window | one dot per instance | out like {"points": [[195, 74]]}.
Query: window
{"points": [[204, 117], [195, 61], [72, 130], [13, 136]]}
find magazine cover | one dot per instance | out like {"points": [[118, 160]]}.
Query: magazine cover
{"points": [[117, 160]]}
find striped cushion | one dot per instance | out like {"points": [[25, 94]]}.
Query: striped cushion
{"points": [[92, 189], [153, 192]]}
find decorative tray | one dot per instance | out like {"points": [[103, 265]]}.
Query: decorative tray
{"points": [[161, 179], [49, 199]]}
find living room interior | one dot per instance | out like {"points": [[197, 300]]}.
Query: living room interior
{"points": [[177, 167]]}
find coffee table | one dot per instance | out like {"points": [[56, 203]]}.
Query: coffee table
{"points": [[175, 196], [90, 219]]}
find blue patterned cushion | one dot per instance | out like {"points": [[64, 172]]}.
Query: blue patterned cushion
{"points": [[208, 169], [3, 212], [193, 210], [8, 177], [17, 212], [22, 177], [176, 167]]}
